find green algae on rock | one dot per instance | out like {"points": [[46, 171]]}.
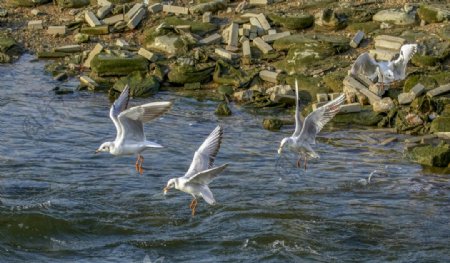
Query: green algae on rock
{"points": [[292, 21], [433, 13], [272, 124], [223, 109], [26, 3], [141, 84], [226, 74], [181, 73], [366, 117], [72, 3], [110, 65], [430, 155], [8, 48]]}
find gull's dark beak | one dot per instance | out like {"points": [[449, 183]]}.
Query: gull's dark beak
{"points": [[97, 151], [165, 190]]}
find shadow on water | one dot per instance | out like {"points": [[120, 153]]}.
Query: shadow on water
{"points": [[60, 202]]}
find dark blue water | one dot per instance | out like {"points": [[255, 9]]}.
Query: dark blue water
{"points": [[60, 202]]}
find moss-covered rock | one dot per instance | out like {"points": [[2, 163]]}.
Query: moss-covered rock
{"points": [[366, 117], [73, 3], [335, 44], [223, 109], [305, 56], [430, 155], [181, 74], [226, 74], [26, 3], [366, 27], [141, 84], [197, 27], [433, 13], [225, 90], [211, 6], [110, 65], [442, 123], [8, 48], [413, 79], [81, 38], [292, 21], [272, 124], [396, 17], [98, 30], [331, 20]]}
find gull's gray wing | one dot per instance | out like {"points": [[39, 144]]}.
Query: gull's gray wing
{"points": [[205, 177], [207, 195], [318, 118], [119, 105], [205, 155], [132, 120], [398, 66], [298, 117], [365, 65]]}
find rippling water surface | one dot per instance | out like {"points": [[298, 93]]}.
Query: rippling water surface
{"points": [[60, 202]]}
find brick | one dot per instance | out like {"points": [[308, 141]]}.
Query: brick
{"points": [[133, 11], [262, 45], [104, 11], [438, 91], [350, 108], [212, 39], [206, 18], [263, 21], [225, 54], [269, 76], [35, 25], [155, 8], [271, 38], [96, 50], [354, 43], [113, 19], [134, 22], [233, 35], [175, 9], [322, 97], [57, 30], [91, 19], [148, 55]]}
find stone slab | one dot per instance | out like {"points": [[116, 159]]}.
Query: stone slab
{"points": [[350, 81], [269, 76], [212, 39], [438, 91], [233, 36], [35, 25], [133, 11], [148, 55], [113, 19], [103, 11], [225, 53], [57, 30], [272, 37], [263, 21], [96, 50], [136, 19], [68, 49], [175, 9], [155, 8], [383, 54], [354, 43], [350, 108], [262, 45], [91, 19]]}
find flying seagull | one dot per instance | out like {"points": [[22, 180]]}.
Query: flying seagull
{"points": [[384, 71], [305, 133], [130, 138], [201, 172]]}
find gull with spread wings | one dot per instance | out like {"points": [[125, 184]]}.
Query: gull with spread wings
{"points": [[305, 133], [130, 138], [201, 172]]}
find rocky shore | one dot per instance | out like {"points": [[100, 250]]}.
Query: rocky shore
{"points": [[250, 53]]}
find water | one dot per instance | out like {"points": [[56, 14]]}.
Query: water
{"points": [[60, 202]]}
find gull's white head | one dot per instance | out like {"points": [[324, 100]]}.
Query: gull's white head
{"points": [[283, 143], [170, 184], [389, 74], [105, 147]]}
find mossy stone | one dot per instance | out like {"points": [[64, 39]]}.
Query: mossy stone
{"points": [[441, 124], [334, 80], [225, 90], [292, 21], [182, 74], [109, 65], [226, 74], [197, 27], [73, 3], [425, 80], [6, 43], [223, 109], [26, 3], [141, 84], [211, 6], [366, 27], [430, 155], [424, 60], [367, 117], [431, 13], [98, 30], [272, 124]]}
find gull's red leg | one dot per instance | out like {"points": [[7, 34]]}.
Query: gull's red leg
{"points": [[194, 207], [305, 163], [141, 170]]}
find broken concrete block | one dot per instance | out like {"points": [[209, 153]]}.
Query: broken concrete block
{"points": [[91, 19], [104, 11], [232, 48], [377, 89], [133, 11], [406, 98], [35, 25], [155, 8], [438, 91], [175, 9], [271, 31], [103, 2], [88, 82], [57, 30], [184, 28], [96, 50], [255, 22], [68, 49], [269, 76], [148, 55], [383, 54], [98, 30], [252, 36], [113, 19], [350, 108], [271, 38], [122, 43], [233, 35], [363, 79], [212, 39], [225, 54], [206, 18], [242, 39], [322, 97], [262, 45], [383, 105], [260, 2], [263, 21], [36, 12], [354, 43], [332, 96], [418, 89], [353, 83], [136, 19], [246, 51], [389, 42]]}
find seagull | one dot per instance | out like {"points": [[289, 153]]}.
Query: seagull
{"points": [[305, 133], [384, 71], [201, 172], [130, 138]]}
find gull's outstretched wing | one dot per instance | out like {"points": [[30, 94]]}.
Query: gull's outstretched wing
{"points": [[119, 105], [205, 155], [205, 177], [365, 65], [298, 117], [207, 195], [398, 66], [318, 118], [132, 120]]}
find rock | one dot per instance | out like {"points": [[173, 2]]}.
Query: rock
{"points": [[226, 74], [383, 105], [366, 117], [27, 3], [61, 76], [167, 44], [175, 9], [328, 18], [4, 12], [181, 74], [354, 43], [98, 30], [433, 13], [269, 76], [8, 48], [73, 3], [141, 85], [50, 55], [225, 54], [35, 25], [86, 81], [223, 109], [397, 17], [68, 49], [438, 91], [110, 65], [211, 6], [57, 30], [406, 98], [430, 155], [81, 38], [243, 95], [225, 90], [94, 52], [291, 21], [442, 123], [272, 124]]}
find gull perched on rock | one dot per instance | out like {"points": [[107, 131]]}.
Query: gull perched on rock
{"points": [[130, 138], [305, 133], [384, 71], [201, 172]]}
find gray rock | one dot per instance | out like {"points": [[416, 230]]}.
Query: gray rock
{"points": [[384, 105], [396, 17]]}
